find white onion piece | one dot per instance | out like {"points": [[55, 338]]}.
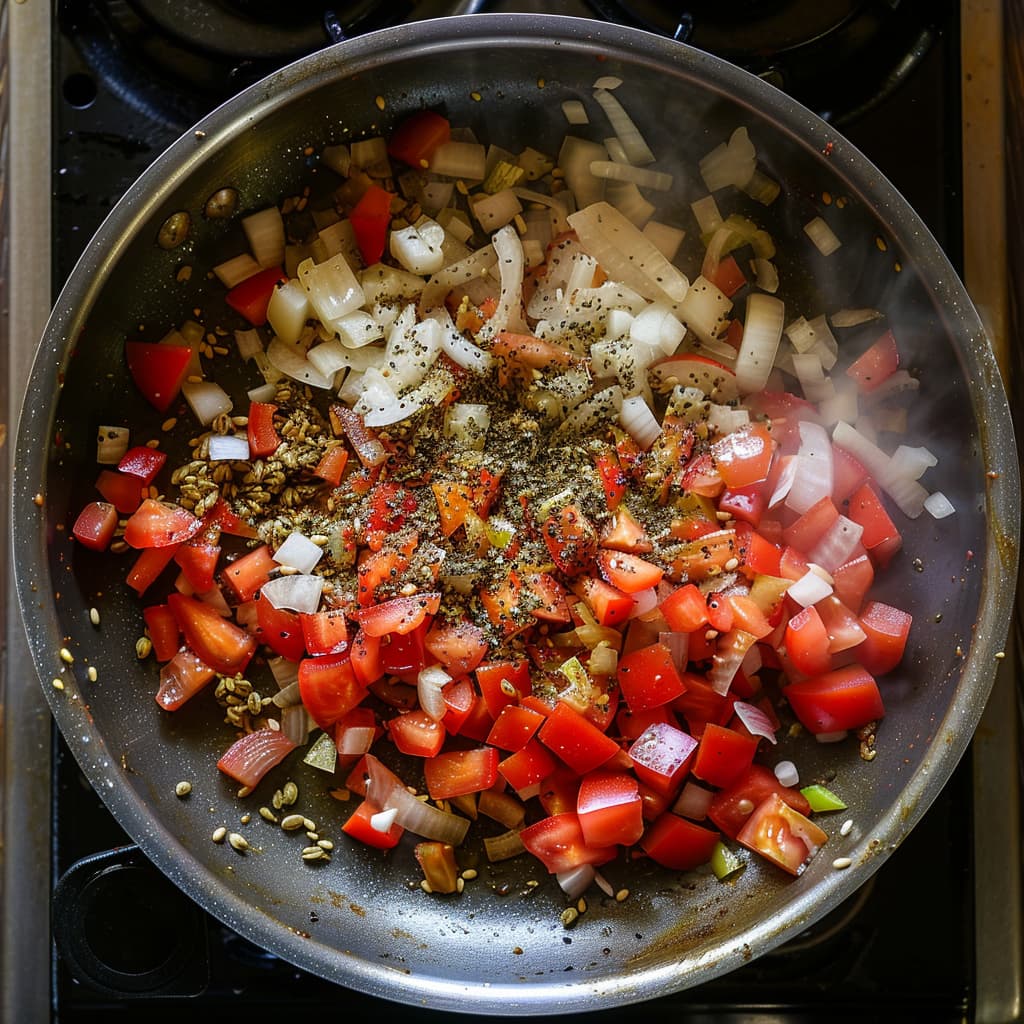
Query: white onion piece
{"points": [[467, 160], [357, 329], [576, 881], [727, 659], [428, 691], [575, 112], [694, 802], [627, 255], [801, 334], [509, 314], [498, 210], [356, 740], [468, 424], [837, 545], [678, 645], [815, 385], [665, 238], [644, 601], [386, 284], [603, 884], [337, 158], [762, 332], [705, 310], [814, 474], [371, 155], [574, 159], [731, 163], [332, 287], [630, 202], [296, 593], [206, 399], [639, 422], [411, 351], [292, 363], [298, 552], [609, 82], [328, 358], [766, 275], [938, 505], [228, 448], [786, 773], [756, 721], [854, 317], [911, 462], [474, 266], [657, 327], [296, 723], [340, 238], [249, 343], [379, 405], [285, 672], [600, 407], [824, 238], [111, 444], [752, 662], [388, 791], [762, 188], [264, 232], [234, 271], [809, 589], [908, 494], [831, 737], [616, 152], [723, 419], [418, 247], [637, 150], [659, 181], [708, 216], [288, 696], [288, 311], [383, 820]]}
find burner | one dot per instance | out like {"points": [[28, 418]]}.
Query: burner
{"points": [[838, 57]]}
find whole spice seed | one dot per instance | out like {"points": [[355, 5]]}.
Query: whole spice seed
{"points": [[219, 834], [622, 895], [841, 863], [92, 673], [311, 853], [847, 827], [183, 789], [66, 656], [268, 815], [58, 684], [143, 647], [292, 822], [238, 842], [94, 616], [289, 794], [569, 917], [243, 792], [325, 844]]}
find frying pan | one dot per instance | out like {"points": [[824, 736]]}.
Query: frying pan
{"points": [[499, 946]]}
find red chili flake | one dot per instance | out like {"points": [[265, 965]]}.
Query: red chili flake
{"points": [[827, 151]]}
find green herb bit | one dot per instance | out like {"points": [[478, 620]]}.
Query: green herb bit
{"points": [[822, 799], [725, 863]]}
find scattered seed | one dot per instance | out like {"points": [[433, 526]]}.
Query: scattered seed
{"points": [[268, 815], [469, 874], [1000, 655], [847, 827], [92, 673], [277, 800], [219, 834], [66, 656], [313, 853], [245, 818], [238, 842], [508, 688], [312, 836], [183, 789], [37, 500], [143, 647], [581, 905], [94, 616], [325, 844], [58, 684], [243, 792], [460, 884], [426, 886], [841, 863], [169, 424], [475, 97], [569, 917], [292, 822], [733, 563], [289, 794], [622, 895], [309, 826], [381, 102]]}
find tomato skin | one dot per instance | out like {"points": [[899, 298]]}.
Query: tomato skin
{"points": [[805, 533], [280, 630], [853, 580], [743, 457], [158, 524], [371, 218], [490, 675], [262, 434], [559, 844], [528, 766], [723, 755], [782, 835], [648, 677], [399, 615], [198, 561], [459, 646], [845, 698], [218, 641], [458, 772], [678, 844], [460, 699], [879, 362], [329, 688], [685, 609], [331, 466], [158, 370], [514, 727], [581, 745], [181, 678], [887, 629], [163, 631], [662, 756], [251, 297], [417, 137], [610, 606], [609, 809], [324, 632], [358, 827], [745, 504], [729, 808], [807, 642], [728, 278], [881, 538], [247, 574], [148, 567], [95, 526], [614, 479], [143, 462], [416, 733], [628, 573], [571, 540], [624, 533]]}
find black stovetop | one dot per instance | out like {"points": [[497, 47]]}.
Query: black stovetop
{"points": [[900, 949]]}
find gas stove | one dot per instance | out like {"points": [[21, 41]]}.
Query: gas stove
{"points": [[928, 938]]}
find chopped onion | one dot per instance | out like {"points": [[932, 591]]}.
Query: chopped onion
{"points": [[288, 311], [337, 158], [659, 181], [575, 112], [379, 405], [665, 238], [356, 740], [509, 314], [761, 188], [727, 659], [382, 821], [766, 274], [418, 247], [236, 270], [644, 601], [292, 363], [503, 847], [296, 723], [265, 233], [466, 160], [637, 150], [459, 349], [837, 545], [911, 462], [752, 663], [678, 645], [206, 399], [298, 552], [657, 327], [608, 82], [823, 237], [468, 424], [251, 756], [854, 317], [809, 589], [290, 695], [762, 332], [576, 881], [388, 792], [706, 211], [228, 448], [639, 422], [938, 505], [429, 683], [111, 444], [814, 474], [786, 773], [574, 158], [332, 288], [831, 737], [297, 593], [630, 202], [372, 156], [756, 721], [908, 494], [249, 343], [616, 153], [285, 672], [731, 163], [694, 802], [474, 266]]}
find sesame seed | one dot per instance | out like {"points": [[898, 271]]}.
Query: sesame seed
{"points": [[66, 656], [92, 673], [847, 827], [94, 616], [841, 863]]}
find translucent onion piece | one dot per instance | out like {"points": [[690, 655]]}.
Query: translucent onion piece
{"points": [[727, 659], [356, 740], [418, 247], [509, 314], [298, 552], [762, 332], [289, 695], [575, 112], [297, 593], [643, 602], [786, 773], [111, 444], [731, 163], [388, 792], [206, 399], [503, 847], [626, 254], [379, 405], [288, 311], [474, 266], [854, 317], [907, 493], [292, 363], [761, 188], [332, 287], [575, 158], [639, 422], [824, 238], [467, 160], [938, 505], [837, 545], [236, 270], [337, 158], [603, 884], [249, 343], [616, 153], [468, 423], [831, 737], [814, 476], [705, 309], [635, 145], [809, 589], [766, 274], [706, 211], [678, 645], [659, 181], [576, 881], [411, 351], [608, 82], [657, 327], [264, 232], [630, 202], [665, 238], [296, 723], [428, 690], [495, 211], [694, 802], [371, 155], [228, 448], [756, 721], [911, 462], [249, 758], [285, 672]]}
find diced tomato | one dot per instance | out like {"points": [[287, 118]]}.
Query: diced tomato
{"points": [[853, 580], [744, 456], [609, 809], [720, 613], [847, 474], [365, 656], [678, 844], [247, 574], [148, 567], [143, 462], [527, 767], [614, 479], [124, 492], [731, 807], [198, 561], [805, 533], [416, 138], [745, 504], [163, 630], [262, 434], [887, 629], [704, 556], [547, 597], [390, 504], [375, 568], [416, 733], [842, 626], [395, 692], [514, 727], [399, 615], [875, 365], [158, 370], [728, 278], [355, 732], [881, 539], [807, 643], [581, 745], [662, 756], [611, 607], [845, 698], [624, 533], [359, 827], [370, 219], [229, 521], [253, 754], [648, 677], [503, 682], [631, 725], [685, 609], [252, 296], [792, 564], [158, 524], [559, 844], [746, 615], [459, 699], [329, 688], [324, 632], [181, 678], [403, 654], [95, 526], [628, 573], [571, 540], [459, 646], [280, 630], [218, 641], [458, 772], [723, 755], [782, 835], [454, 503], [331, 466]]}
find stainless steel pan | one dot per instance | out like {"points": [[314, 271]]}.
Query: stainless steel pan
{"points": [[485, 951]]}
